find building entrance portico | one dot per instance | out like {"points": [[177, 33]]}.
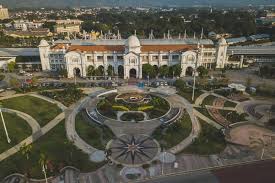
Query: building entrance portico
{"points": [[133, 73]]}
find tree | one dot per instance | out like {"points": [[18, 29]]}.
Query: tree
{"points": [[164, 70], [175, 70], [11, 66], [14, 82], [110, 70], [148, 70], [90, 70], [63, 73], [202, 71], [26, 150]]}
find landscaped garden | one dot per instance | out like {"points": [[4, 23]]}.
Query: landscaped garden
{"points": [[208, 100], [95, 135], [152, 105], [55, 150], [210, 141], [233, 116], [39, 109], [172, 135], [18, 130], [132, 116], [67, 96]]}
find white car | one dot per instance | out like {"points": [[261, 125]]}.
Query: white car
{"points": [[28, 74]]}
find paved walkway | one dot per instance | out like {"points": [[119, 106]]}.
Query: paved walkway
{"points": [[30, 120], [33, 137], [206, 119], [37, 131], [200, 98], [70, 124], [196, 128]]}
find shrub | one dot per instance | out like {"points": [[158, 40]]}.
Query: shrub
{"points": [[119, 108], [145, 108]]}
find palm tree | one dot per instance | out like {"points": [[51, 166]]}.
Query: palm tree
{"points": [[26, 150], [4, 124], [42, 162]]}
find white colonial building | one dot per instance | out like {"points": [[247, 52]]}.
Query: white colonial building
{"points": [[128, 55]]}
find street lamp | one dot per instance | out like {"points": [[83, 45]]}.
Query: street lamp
{"points": [[44, 172], [195, 71], [4, 125]]}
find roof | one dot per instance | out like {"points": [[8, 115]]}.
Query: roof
{"points": [[251, 50], [187, 41], [19, 52], [121, 48]]}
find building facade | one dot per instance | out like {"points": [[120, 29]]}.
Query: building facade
{"points": [[4, 13], [128, 56]]}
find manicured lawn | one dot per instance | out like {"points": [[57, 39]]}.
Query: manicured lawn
{"points": [[210, 141], [172, 135], [132, 117], [17, 128], [187, 94], [229, 104], [208, 100], [39, 109], [155, 108], [233, 116], [205, 112], [59, 153], [93, 134]]}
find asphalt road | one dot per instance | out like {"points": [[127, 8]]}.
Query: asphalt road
{"points": [[199, 177], [257, 172]]}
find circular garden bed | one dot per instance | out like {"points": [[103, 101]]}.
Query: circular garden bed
{"points": [[153, 106]]}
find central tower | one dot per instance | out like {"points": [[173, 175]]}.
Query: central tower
{"points": [[132, 58]]}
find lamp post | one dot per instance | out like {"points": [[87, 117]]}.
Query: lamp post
{"points": [[195, 71], [44, 172], [4, 125]]}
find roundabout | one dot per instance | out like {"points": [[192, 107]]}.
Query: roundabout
{"points": [[133, 150], [133, 116]]}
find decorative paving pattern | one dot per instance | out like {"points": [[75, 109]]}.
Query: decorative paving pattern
{"points": [[132, 150]]}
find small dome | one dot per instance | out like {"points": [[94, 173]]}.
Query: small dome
{"points": [[43, 42], [133, 42], [222, 41]]}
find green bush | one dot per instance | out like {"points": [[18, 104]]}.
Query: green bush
{"points": [[119, 108], [145, 108]]}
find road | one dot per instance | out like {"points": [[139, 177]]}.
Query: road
{"points": [[201, 177], [255, 172]]}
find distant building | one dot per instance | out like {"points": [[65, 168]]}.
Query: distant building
{"points": [[40, 32], [4, 13], [69, 21], [67, 28], [23, 25], [270, 15]]}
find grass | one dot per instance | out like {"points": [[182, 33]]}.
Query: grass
{"points": [[172, 135], [59, 152], [132, 116], [233, 116], [2, 77], [187, 94], [229, 104], [204, 112], [208, 100], [93, 134], [39, 109], [210, 141], [18, 130]]}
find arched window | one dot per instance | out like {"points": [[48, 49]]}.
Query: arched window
{"points": [[190, 58]]}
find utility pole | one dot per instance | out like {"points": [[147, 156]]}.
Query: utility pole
{"points": [[4, 125], [195, 71]]}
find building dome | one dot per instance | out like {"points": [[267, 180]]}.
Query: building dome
{"points": [[222, 41], [43, 42], [132, 42]]}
